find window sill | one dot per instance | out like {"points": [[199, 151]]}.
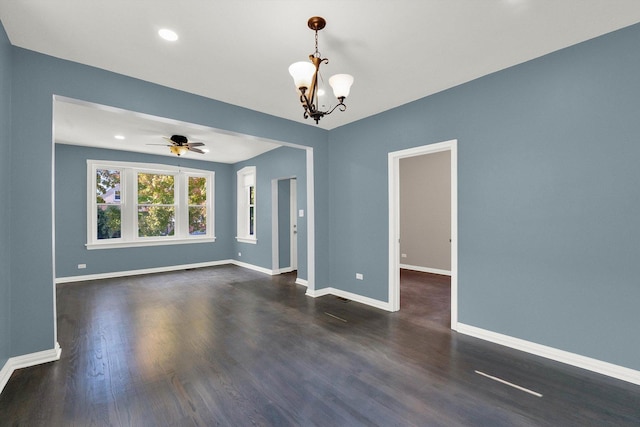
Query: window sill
{"points": [[251, 240], [152, 242]]}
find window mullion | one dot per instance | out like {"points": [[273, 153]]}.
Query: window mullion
{"points": [[180, 200], [130, 208]]}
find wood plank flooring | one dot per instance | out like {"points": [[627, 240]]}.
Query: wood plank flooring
{"points": [[232, 347]]}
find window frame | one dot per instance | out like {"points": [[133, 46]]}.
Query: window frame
{"points": [[243, 206], [129, 205]]}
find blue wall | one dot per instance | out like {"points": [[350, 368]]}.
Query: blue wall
{"points": [[548, 198], [549, 204], [71, 217], [283, 162], [36, 78], [5, 196]]}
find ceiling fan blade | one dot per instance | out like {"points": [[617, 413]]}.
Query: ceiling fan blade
{"points": [[195, 144], [196, 150]]}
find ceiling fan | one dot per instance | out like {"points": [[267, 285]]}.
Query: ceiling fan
{"points": [[180, 145]]}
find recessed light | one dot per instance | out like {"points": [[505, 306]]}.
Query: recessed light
{"points": [[168, 34], [121, 137], [206, 150]]}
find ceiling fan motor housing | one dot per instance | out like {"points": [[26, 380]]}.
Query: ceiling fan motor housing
{"points": [[179, 139]]}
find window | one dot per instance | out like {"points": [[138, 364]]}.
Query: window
{"points": [[132, 204], [246, 213]]}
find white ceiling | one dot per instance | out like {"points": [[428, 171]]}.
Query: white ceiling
{"points": [[239, 51], [82, 123]]}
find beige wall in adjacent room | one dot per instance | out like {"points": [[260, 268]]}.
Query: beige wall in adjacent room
{"points": [[425, 211]]}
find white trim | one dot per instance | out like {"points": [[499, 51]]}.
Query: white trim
{"points": [[394, 221], [275, 225], [129, 210], [293, 223], [311, 223], [27, 360], [350, 296], [275, 256], [5, 374], [426, 269], [247, 240], [53, 227], [162, 241], [243, 220], [164, 269], [302, 282], [319, 292], [253, 267], [588, 363], [169, 268], [282, 270]]}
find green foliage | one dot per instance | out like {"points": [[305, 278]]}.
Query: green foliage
{"points": [[197, 190], [156, 204], [156, 221], [109, 222], [155, 189], [156, 214], [106, 179], [197, 220]]}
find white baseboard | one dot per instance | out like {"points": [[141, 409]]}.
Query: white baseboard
{"points": [[302, 282], [283, 270], [594, 365], [426, 269], [27, 360], [350, 296], [142, 271], [252, 267]]}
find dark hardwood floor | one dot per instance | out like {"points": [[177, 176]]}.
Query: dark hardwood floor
{"points": [[232, 347]]}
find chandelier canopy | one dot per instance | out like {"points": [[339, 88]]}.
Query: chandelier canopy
{"points": [[305, 77]]}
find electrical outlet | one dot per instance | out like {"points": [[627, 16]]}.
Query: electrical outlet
{"points": [[239, 253], [81, 266], [403, 255], [359, 276]]}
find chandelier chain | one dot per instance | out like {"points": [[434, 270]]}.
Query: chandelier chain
{"points": [[317, 53]]}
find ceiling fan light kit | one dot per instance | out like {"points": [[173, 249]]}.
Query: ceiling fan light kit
{"points": [[305, 77]]}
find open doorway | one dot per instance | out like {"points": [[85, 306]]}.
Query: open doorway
{"points": [[284, 225], [425, 237], [438, 265]]}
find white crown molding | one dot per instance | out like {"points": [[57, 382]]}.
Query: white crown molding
{"points": [[588, 363], [26, 360]]}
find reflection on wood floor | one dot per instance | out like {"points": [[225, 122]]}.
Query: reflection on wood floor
{"points": [[233, 347]]}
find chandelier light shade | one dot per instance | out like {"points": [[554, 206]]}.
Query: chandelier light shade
{"points": [[305, 77], [302, 73]]}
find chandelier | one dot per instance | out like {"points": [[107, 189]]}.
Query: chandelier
{"points": [[305, 77]]}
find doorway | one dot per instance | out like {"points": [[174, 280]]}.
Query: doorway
{"points": [[394, 221], [284, 225]]}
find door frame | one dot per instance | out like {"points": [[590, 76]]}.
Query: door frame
{"points": [[394, 221], [293, 223], [275, 232]]}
